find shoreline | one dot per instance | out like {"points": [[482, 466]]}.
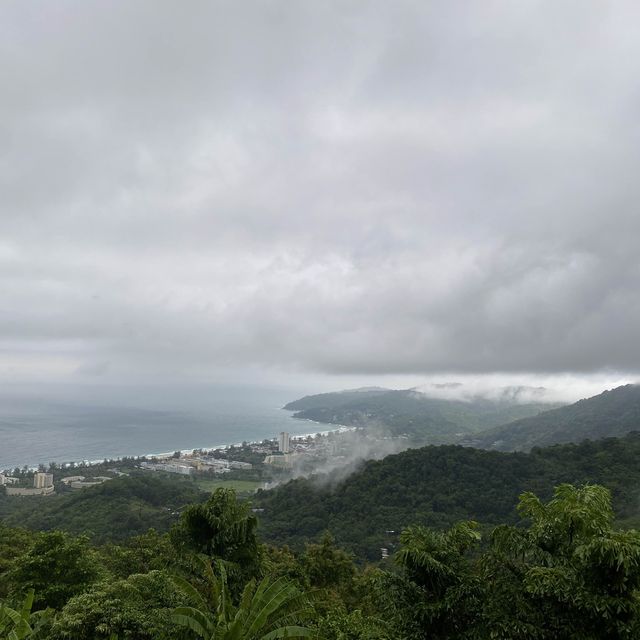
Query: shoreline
{"points": [[168, 454]]}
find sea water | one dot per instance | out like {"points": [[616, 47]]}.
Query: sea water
{"points": [[35, 430]]}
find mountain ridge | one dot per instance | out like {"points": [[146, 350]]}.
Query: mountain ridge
{"points": [[612, 413], [412, 413]]}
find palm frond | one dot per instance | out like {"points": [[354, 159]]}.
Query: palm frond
{"points": [[271, 598], [195, 620], [291, 632]]}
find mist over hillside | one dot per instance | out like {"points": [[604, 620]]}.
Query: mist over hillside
{"points": [[612, 413], [439, 485], [422, 417]]}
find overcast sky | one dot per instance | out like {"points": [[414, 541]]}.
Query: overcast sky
{"points": [[349, 189]]}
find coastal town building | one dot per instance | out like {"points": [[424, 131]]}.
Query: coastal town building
{"points": [[284, 442], [279, 460], [236, 464], [89, 482], [69, 479], [42, 486], [29, 491], [80, 482], [190, 464], [183, 469], [43, 480]]}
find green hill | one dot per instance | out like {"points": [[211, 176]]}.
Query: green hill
{"points": [[408, 412], [439, 485], [115, 510], [610, 414]]}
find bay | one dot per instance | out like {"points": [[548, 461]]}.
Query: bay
{"points": [[37, 430]]}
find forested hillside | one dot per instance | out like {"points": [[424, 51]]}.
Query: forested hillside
{"points": [[438, 485], [564, 571], [610, 414], [434, 485], [408, 412], [115, 510]]}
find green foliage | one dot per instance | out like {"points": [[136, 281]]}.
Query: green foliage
{"points": [[391, 597], [13, 544], [330, 570], [115, 510], [434, 486], [569, 574], [274, 608], [56, 567], [326, 566], [16, 624], [137, 608], [281, 561], [438, 590], [140, 554], [434, 559], [566, 574], [222, 528], [562, 571], [340, 625]]}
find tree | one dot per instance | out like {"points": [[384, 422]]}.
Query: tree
{"points": [[327, 566], [18, 624], [222, 528], [281, 561], [332, 571], [436, 593], [568, 574], [273, 608], [57, 567], [139, 554], [13, 544], [137, 608], [340, 625], [439, 590]]}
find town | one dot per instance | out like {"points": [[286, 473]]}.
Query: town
{"points": [[263, 463]]}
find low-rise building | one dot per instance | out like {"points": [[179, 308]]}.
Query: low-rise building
{"points": [[219, 465], [29, 491], [42, 486], [182, 469], [282, 460], [88, 482], [82, 482], [236, 464], [69, 479]]}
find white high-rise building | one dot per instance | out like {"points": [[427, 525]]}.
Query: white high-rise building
{"points": [[43, 480], [283, 442]]}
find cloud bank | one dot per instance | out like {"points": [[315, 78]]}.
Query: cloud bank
{"points": [[369, 188]]}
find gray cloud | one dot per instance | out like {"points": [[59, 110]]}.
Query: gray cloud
{"points": [[359, 188]]}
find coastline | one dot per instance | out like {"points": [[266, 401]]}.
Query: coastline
{"points": [[86, 462]]}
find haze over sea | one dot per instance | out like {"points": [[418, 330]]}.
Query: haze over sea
{"points": [[55, 427]]}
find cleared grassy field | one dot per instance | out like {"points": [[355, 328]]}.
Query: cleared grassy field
{"points": [[241, 486]]}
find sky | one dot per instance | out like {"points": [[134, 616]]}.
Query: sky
{"points": [[326, 193]]}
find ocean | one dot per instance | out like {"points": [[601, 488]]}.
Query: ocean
{"points": [[37, 430]]}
